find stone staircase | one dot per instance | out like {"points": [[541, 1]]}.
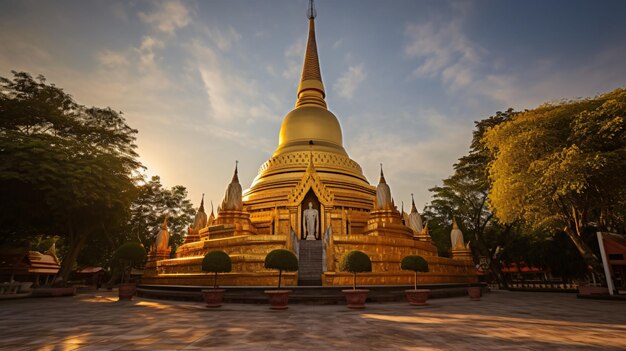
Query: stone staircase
{"points": [[310, 263]]}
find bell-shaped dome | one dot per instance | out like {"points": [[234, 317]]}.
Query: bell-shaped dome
{"points": [[308, 124]]}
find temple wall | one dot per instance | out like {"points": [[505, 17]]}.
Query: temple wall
{"points": [[268, 278], [235, 245], [394, 278]]}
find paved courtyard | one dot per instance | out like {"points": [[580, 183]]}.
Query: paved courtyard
{"points": [[501, 321]]}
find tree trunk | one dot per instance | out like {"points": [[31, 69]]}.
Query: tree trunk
{"points": [[590, 258], [354, 281], [494, 266], [415, 281], [72, 254], [215, 281], [280, 274], [495, 269]]}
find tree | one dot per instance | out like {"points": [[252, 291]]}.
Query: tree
{"points": [[129, 255], [355, 261], [464, 196], [561, 166], [216, 262], [148, 210], [68, 169], [283, 260], [145, 216], [416, 264]]}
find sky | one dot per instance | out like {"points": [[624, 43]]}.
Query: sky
{"points": [[209, 82]]}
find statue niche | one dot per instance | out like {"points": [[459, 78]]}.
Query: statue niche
{"points": [[310, 219]]}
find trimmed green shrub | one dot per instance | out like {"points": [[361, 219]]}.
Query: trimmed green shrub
{"points": [[416, 264], [216, 262], [355, 261], [283, 260], [128, 255]]}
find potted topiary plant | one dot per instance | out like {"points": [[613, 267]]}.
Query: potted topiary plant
{"points": [[215, 262], [356, 262], [415, 263], [127, 256], [283, 260]]}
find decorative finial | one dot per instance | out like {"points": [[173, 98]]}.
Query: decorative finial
{"points": [[413, 208], [382, 175], [311, 89], [201, 204], [454, 225], [235, 175], [310, 12], [164, 225], [211, 207]]}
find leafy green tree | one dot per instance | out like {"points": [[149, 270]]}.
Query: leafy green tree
{"points": [[416, 264], [282, 260], [148, 210], [464, 196], [561, 166], [355, 261], [216, 262], [67, 169]]}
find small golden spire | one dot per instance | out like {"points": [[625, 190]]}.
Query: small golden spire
{"points": [[164, 225], [454, 225], [311, 89], [382, 175], [236, 174]]}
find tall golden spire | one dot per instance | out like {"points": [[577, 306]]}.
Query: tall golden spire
{"points": [[311, 89]]}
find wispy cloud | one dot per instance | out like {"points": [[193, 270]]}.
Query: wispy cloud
{"points": [[412, 165], [444, 51], [224, 39], [112, 59], [350, 80], [167, 16], [293, 59], [233, 97]]}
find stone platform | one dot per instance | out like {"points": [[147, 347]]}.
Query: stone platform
{"points": [[311, 295], [500, 321]]}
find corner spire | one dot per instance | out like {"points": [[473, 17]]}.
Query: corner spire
{"points": [[164, 225], [236, 174], [382, 175], [311, 89]]}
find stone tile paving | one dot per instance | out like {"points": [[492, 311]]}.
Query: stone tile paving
{"points": [[500, 321]]}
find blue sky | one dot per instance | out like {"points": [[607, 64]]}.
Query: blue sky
{"points": [[208, 82]]}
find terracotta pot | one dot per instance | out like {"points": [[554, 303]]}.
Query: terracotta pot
{"points": [[213, 297], [417, 297], [356, 298], [278, 299], [474, 293], [126, 291]]}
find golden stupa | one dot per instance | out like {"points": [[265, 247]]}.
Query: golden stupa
{"points": [[310, 170]]}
